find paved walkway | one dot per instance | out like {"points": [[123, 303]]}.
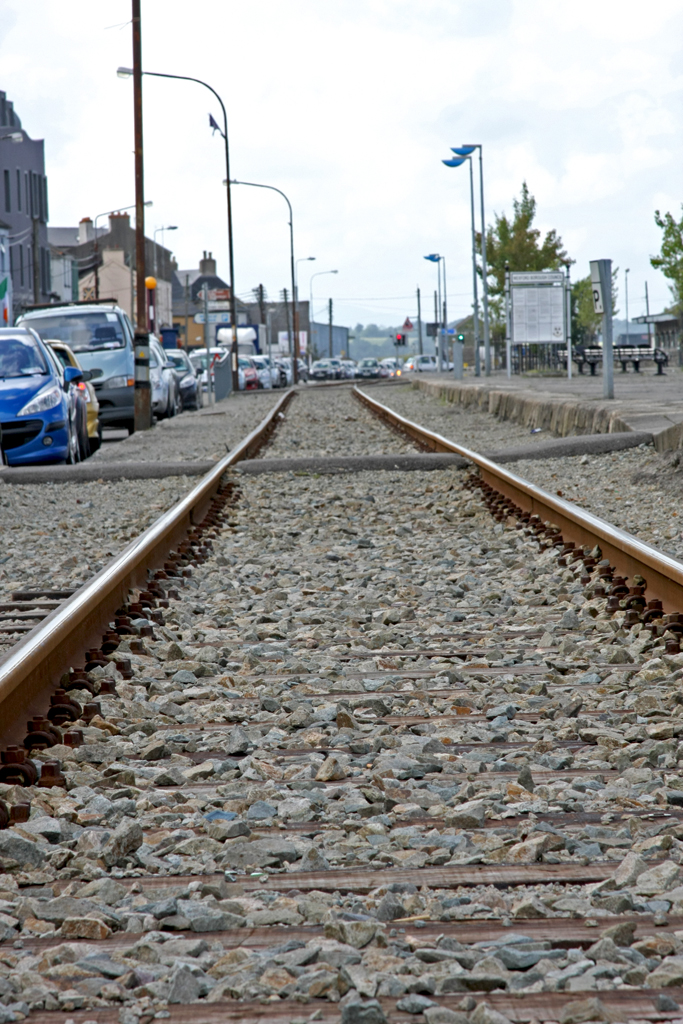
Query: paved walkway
{"points": [[642, 402]]}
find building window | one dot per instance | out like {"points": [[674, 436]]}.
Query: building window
{"points": [[45, 210], [18, 189], [8, 197], [21, 265]]}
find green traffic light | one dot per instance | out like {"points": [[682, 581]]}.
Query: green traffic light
{"points": [[461, 337]]}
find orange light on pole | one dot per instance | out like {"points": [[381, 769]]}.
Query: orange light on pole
{"points": [[150, 285]]}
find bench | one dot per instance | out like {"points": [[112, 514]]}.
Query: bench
{"points": [[591, 355]]}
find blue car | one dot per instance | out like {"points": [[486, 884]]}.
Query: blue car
{"points": [[38, 404]]}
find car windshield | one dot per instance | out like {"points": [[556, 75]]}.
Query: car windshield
{"points": [[245, 363], [368, 362], [178, 359], [82, 332], [21, 357]]}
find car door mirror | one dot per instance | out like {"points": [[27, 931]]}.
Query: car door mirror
{"points": [[72, 375]]}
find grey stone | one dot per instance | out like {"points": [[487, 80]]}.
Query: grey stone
{"points": [[443, 1015], [184, 677], [184, 987], [261, 810], [582, 1010], [23, 851], [238, 741], [389, 908], [485, 1014], [414, 1003], [260, 853], [370, 1012], [125, 839], [526, 779], [570, 620], [155, 750]]}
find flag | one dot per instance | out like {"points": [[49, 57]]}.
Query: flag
{"points": [[4, 302], [213, 125]]}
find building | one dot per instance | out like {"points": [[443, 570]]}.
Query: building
{"points": [[90, 262], [324, 347], [276, 318], [24, 211], [188, 303], [667, 331]]}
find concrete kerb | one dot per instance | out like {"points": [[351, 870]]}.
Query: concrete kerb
{"points": [[562, 416]]}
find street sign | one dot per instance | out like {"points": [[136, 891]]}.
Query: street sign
{"points": [[538, 314], [536, 277], [431, 330], [407, 325], [214, 318], [596, 286]]}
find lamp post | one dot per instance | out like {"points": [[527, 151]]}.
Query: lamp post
{"points": [[310, 292], [295, 347], [169, 227], [439, 325], [626, 273], [126, 73], [466, 151], [302, 259], [475, 303], [108, 213]]}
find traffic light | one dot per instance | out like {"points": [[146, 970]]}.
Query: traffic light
{"points": [[461, 337], [401, 339]]}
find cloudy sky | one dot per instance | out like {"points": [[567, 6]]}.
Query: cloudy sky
{"points": [[349, 107]]}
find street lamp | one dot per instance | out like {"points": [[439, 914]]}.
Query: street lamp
{"points": [[477, 358], [108, 213], [626, 273], [442, 317], [467, 151], [293, 348], [170, 227], [12, 137], [126, 73], [310, 291]]}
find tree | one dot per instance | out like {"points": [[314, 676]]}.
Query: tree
{"points": [[670, 259], [518, 244], [585, 321]]}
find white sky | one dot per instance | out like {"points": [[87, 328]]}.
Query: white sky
{"points": [[349, 107]]}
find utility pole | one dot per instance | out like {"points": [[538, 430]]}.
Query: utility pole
{"points": [[143, 392], [289, 328], [187, 312], [36, 260], [419, 322], [647, 312], [330, 316], [207, 346], [436, 329]]}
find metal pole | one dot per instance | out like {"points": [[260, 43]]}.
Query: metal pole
{"points": [[568, 307], [445, 314], [224, 133], [289, 326], [484, 269], [143, 392], [477, 355], [331, 344], [207, 345], [647, 312], [439, 316], [605, 268], [419, 322], [508, 326], [187, 312], [436, 325], [626, 273]]}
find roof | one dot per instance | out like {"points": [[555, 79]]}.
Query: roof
{"points": [[62, 236]]}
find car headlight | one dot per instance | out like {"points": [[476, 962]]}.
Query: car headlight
{"points": [[119, 382], [43, 401]]}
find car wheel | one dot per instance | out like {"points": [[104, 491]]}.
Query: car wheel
{"points": [[130, 427], [74, 449]]}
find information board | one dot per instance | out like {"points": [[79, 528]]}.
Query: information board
{"points": [[538, 315]]}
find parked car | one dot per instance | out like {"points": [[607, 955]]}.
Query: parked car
{"points": [[39, 401], [164, 381], [188, 383], [278, 376], [420, 364], [392, 366], [264, 371], [101, 337], [349, 368], [323, 369], [198, 358], [368, 368], [286, 367], [248, 374], [89, 431]]}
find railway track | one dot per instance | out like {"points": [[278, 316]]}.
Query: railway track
{"points": [[382, 746]]}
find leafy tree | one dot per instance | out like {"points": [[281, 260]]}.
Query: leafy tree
{"points": [[670, 259], [585, 321], [518, 243]]}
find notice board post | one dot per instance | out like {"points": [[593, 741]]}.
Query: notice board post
{"points": [[601, 284], [535, 309]]}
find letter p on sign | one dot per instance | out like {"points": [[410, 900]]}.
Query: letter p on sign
{"points": [[596, 286]]}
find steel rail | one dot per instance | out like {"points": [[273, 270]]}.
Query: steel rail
{"points": [[31, 669], [631, 556]]}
